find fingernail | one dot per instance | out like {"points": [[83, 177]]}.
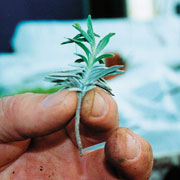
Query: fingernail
{"points": [[132, 147], [54, 99], [99, 106], [122, 146]]}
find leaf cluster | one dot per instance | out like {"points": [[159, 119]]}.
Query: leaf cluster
{"points": [[88, 75], [89, 37], [84, 77]]}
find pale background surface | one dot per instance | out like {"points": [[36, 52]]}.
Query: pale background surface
{"points": [[144, 93]]}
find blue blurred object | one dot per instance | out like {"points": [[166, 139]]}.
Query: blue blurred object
{"points": [[12, 12]]}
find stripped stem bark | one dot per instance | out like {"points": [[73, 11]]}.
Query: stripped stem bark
{"points": [[77, 123]]}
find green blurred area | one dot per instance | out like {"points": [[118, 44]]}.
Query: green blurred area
{"points": [[37, 90]]}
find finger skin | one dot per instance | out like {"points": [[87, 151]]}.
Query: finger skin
{"points": [[124, 158], [99, 117], [111, 163], [97, 167], [133, 161], [99, 111], [24, 116], [11, 151]]}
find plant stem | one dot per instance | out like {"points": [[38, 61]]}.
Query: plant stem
{"points": [[77, 123]]}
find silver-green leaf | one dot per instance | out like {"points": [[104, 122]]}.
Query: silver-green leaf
{"points": [[102, 44]]}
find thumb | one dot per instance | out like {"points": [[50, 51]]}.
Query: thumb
{"points": [[31, 115], [129, 154]]}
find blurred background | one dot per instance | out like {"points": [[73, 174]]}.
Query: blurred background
{"points": [[12, 12], [147, 43]]}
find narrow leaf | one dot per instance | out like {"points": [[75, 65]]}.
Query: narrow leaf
{"points": [[103, 56], [115, 72], [101, 61], [102, 44], [82, 39], [66, 42], [81, 67], [75, 89], [72, 71], [80, 44], [78, 60], [55, 78], [60, 75], [105, 72], [75, 82], [78, 37], [83, 57], [90, 28], [97, 70], [86, 36], [105, 88], [77, 25], [97, 35]]}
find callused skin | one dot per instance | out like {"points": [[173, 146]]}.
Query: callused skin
{"points": [[37, 140]]}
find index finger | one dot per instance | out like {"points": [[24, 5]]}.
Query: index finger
{"points": [[32, 115], [99, 117]]}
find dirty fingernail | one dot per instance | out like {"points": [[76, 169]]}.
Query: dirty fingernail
{"points": [[99, 106], [122, 146], [54, 99], [132, 147]]}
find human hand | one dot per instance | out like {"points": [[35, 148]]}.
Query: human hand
{"points": [[37, 139]]}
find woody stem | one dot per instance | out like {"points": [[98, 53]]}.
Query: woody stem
{"points": [[77, 123]]}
